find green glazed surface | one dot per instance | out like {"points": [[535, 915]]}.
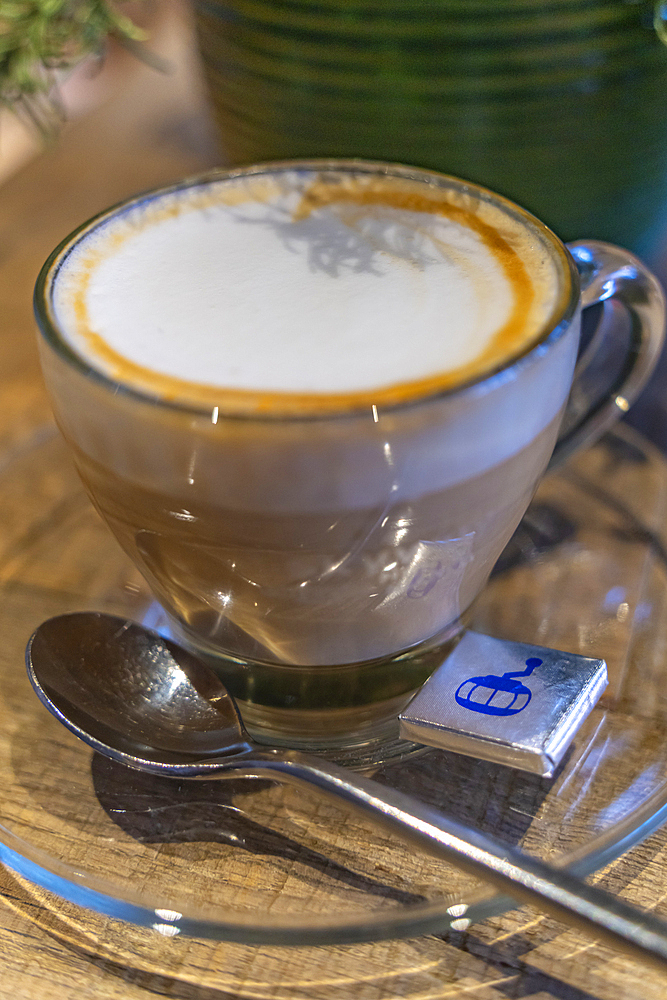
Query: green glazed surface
{"points": [[560, 105]]}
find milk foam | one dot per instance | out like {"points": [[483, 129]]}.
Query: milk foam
{"points": [[237, 286]]}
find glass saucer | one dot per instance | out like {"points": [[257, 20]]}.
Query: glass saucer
{"points": [[262, 863]]}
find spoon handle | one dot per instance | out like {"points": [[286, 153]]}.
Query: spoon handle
{"points": [[519, 875]]}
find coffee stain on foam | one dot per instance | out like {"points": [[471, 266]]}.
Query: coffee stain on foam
{"points": [[446, 204], [520, 332]]}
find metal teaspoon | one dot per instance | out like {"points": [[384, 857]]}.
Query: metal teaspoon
{"points": [[148, 703]]}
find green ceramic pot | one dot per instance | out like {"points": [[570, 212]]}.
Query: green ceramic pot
{"points": [[560, 105]]}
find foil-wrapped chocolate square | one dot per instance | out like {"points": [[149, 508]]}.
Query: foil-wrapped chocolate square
{"points": [[507, 702]]}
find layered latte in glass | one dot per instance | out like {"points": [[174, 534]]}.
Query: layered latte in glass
{"points": [[312, 401]]}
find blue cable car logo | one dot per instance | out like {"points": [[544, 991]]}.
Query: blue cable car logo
{"points": [[506, 695]]}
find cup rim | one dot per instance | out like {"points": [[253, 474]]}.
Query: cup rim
{"points": [[552, 329]]}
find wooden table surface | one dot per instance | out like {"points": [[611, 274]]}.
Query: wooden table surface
{"points": [[153, 129]]}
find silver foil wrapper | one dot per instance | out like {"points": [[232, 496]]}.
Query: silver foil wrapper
{"points": [[507, 702]]}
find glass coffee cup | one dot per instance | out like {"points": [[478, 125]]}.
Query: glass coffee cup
{"points": [[318, 525]]}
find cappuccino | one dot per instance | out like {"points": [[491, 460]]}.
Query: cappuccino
{"points": [[306, 292], [312, 403]]}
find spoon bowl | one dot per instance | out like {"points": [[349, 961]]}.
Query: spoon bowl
{"points": [[131, 694], [145, 701]]}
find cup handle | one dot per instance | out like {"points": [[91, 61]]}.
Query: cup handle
{"points": [[622, 352]]}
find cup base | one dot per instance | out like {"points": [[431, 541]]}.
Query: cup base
{"points": [[346, 713], [361, 737]]}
